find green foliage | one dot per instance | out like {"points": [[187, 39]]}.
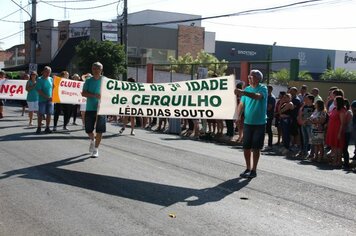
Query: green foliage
{"points": [[304, 75], [13, 75], [110, 54], [339, 74], [282, 77], [185, 64]]}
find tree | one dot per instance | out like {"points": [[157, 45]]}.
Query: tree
{"points": [[282, 77], [185, 64], [110, 54], [338, 74]]}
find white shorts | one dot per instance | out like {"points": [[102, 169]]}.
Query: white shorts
{"points": [[83, 107], [32, 106]]}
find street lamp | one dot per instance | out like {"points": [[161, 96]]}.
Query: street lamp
{"points": [[269, 60]]}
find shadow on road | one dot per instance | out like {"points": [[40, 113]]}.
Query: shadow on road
{"points": [[155, 193]]}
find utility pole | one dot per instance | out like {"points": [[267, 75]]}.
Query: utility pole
{"points": [[33, 37], [125, 39]]}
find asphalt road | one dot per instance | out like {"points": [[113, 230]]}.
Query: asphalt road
{"points": [[160, 184]]}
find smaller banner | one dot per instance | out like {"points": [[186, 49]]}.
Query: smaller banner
{"points": [[13, 89], [67, 91], [212, 98]]}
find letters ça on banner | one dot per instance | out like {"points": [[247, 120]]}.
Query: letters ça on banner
{"points": [[207, 99], [13, 89]]}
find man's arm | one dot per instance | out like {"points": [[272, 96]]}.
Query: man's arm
{"points": [[87, 94], [249, 94]]}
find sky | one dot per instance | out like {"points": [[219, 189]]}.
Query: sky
{"points": [[326, 24]]}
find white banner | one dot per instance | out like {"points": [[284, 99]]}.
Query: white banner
{"points": [[212, 98], [68, 91], [13, 89]]}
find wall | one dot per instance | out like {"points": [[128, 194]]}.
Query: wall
{"points": [[153, 16], [190, 40], [312, 60], [231, 51]]}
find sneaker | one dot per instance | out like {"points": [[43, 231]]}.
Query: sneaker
{"points": [[252, 174], [48, 131], [74, 123], [267, 149], [92, 146], [95, 153], [54, 128], [285, 151], [65, 128], [132, 133], [121, 130], [245, 174], [38, 131]]}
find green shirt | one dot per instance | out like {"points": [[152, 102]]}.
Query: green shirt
{"points": [[32, 95], [46, 86], [255, 109], [92, 85]]}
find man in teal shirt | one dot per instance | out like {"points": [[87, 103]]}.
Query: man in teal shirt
{"points": [[91, 90], [44, 87], [254, 106]]}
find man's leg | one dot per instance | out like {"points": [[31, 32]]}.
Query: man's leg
{"points": [[98, 138], [247, 155], [256, 157]]}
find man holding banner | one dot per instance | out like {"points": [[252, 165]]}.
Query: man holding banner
{"points": [[254, 105], [44, 88], [91, 90]]}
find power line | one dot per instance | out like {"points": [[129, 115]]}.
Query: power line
{"points": [[82, 8], [246, 12], [12, 13], [13, 21], [73, 1], [11, 35], [21, 7], [286, 28]]}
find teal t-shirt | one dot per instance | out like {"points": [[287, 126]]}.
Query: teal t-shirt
{"points": [[92, 85], [46, 86], [32, 95], [255, 110]]}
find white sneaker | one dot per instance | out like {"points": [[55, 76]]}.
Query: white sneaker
{"points": [[95, 153], [92, 146]]}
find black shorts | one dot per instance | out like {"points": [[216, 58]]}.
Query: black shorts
{"points": [[92, 120], [294, 127], [254, 136]]}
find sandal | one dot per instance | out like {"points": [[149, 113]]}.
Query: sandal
{"points": [[121, 130]]}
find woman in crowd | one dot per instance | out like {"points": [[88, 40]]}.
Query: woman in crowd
{"points": [[317, 138], [75, 107], [285, 115], [348, 132], [335, 135], [304, 114], [32, 96], [65, 108], [278, 124]]}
